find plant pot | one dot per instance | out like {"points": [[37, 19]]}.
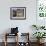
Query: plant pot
{"points": [[40, 41]]}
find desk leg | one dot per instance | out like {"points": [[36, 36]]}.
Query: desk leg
{"points": [[5, 40], [5, 43]]}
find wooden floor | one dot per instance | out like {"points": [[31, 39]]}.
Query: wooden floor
{"points": [[13, 44]]}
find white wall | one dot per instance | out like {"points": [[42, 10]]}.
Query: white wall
{"points": [[24, 25]]}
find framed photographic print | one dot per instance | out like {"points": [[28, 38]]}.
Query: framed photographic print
{"points": [[41, 12], [17, 13], [41, 8]]}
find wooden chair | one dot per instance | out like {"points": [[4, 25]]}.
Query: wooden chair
{"points": [[27, 43]]}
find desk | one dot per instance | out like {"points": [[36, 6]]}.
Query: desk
{"points": [[18, 43], [8, 34]]}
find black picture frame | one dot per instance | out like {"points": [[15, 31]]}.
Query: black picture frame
{"points": [[17, 13]]}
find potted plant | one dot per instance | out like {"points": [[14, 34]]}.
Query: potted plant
{"points": [[39, 35]]}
